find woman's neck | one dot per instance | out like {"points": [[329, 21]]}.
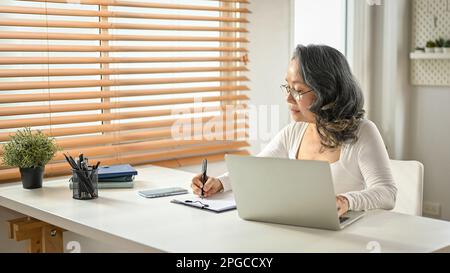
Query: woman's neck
{"points": [[315, 138], [312, 131]]}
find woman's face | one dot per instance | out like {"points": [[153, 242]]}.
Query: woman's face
{"points": [[299, 109]]}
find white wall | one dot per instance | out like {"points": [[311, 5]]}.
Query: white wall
{"points": [[430, 142], [269, 52], [320, 22]]}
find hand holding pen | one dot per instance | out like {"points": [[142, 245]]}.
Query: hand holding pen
{"points": [[207, 189]]}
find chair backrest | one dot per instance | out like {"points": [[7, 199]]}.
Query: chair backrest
{"points": [[408, 176]]}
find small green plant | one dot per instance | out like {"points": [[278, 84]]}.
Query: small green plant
{"points": [[440, 42], [431, 44], [29, 150], [447, 44]]}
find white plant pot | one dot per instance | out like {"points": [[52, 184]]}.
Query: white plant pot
{"points": [[447, 49], [438, 49], [429, 49]]}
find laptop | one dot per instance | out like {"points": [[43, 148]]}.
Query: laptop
{"points": [[285, 191]]}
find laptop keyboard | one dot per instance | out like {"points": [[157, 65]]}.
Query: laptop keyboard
{"points": [[343, 219]]}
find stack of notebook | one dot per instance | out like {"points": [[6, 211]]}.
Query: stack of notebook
{"points": [[115, 176]]}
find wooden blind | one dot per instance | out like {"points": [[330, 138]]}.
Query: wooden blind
{"points": [[142, 81]]}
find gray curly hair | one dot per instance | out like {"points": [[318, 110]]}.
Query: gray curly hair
{"points": [[338, 107]]}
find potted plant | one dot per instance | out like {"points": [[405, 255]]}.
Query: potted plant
{"points": [[447, 46], [429, 48], [30, 152], [439, 45]]}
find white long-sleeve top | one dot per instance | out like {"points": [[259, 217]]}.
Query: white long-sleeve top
{"points": [[362, 174]]}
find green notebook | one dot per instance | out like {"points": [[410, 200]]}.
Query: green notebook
{"points": [[127, 178]]}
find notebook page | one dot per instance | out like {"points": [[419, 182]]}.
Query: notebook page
{"points": [[217, 202]]}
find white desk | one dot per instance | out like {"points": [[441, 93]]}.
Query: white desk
{"points": [[121, 217]]}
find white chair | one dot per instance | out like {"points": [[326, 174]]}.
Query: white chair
{"points": [[408, 176]]}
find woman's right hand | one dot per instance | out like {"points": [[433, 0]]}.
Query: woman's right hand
{"points": [[211, 187]]}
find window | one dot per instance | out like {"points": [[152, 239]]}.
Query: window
{"points": [[320, 22], [125, 81]]}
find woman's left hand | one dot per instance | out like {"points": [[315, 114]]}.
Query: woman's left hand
{"points": [[342, 205]]}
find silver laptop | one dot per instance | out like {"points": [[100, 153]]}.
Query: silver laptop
{"points": [[285, 191]]}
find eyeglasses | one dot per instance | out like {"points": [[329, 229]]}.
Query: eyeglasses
{"points": [[297, 95]]}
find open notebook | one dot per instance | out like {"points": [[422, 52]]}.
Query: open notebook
{"points": [[218, 203]]}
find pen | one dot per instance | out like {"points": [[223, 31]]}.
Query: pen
{"points": [[96, 165], [204, 177], [94, 168]]}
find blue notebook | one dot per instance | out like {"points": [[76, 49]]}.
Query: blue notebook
{"points": [[116, 171]]}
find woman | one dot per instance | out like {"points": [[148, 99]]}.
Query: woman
{"points": [[326, 105]]}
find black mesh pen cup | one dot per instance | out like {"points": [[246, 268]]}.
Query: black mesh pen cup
{"points": [[85, 184]]}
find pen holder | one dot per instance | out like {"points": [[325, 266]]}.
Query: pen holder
{"points": [[85, 184]]}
